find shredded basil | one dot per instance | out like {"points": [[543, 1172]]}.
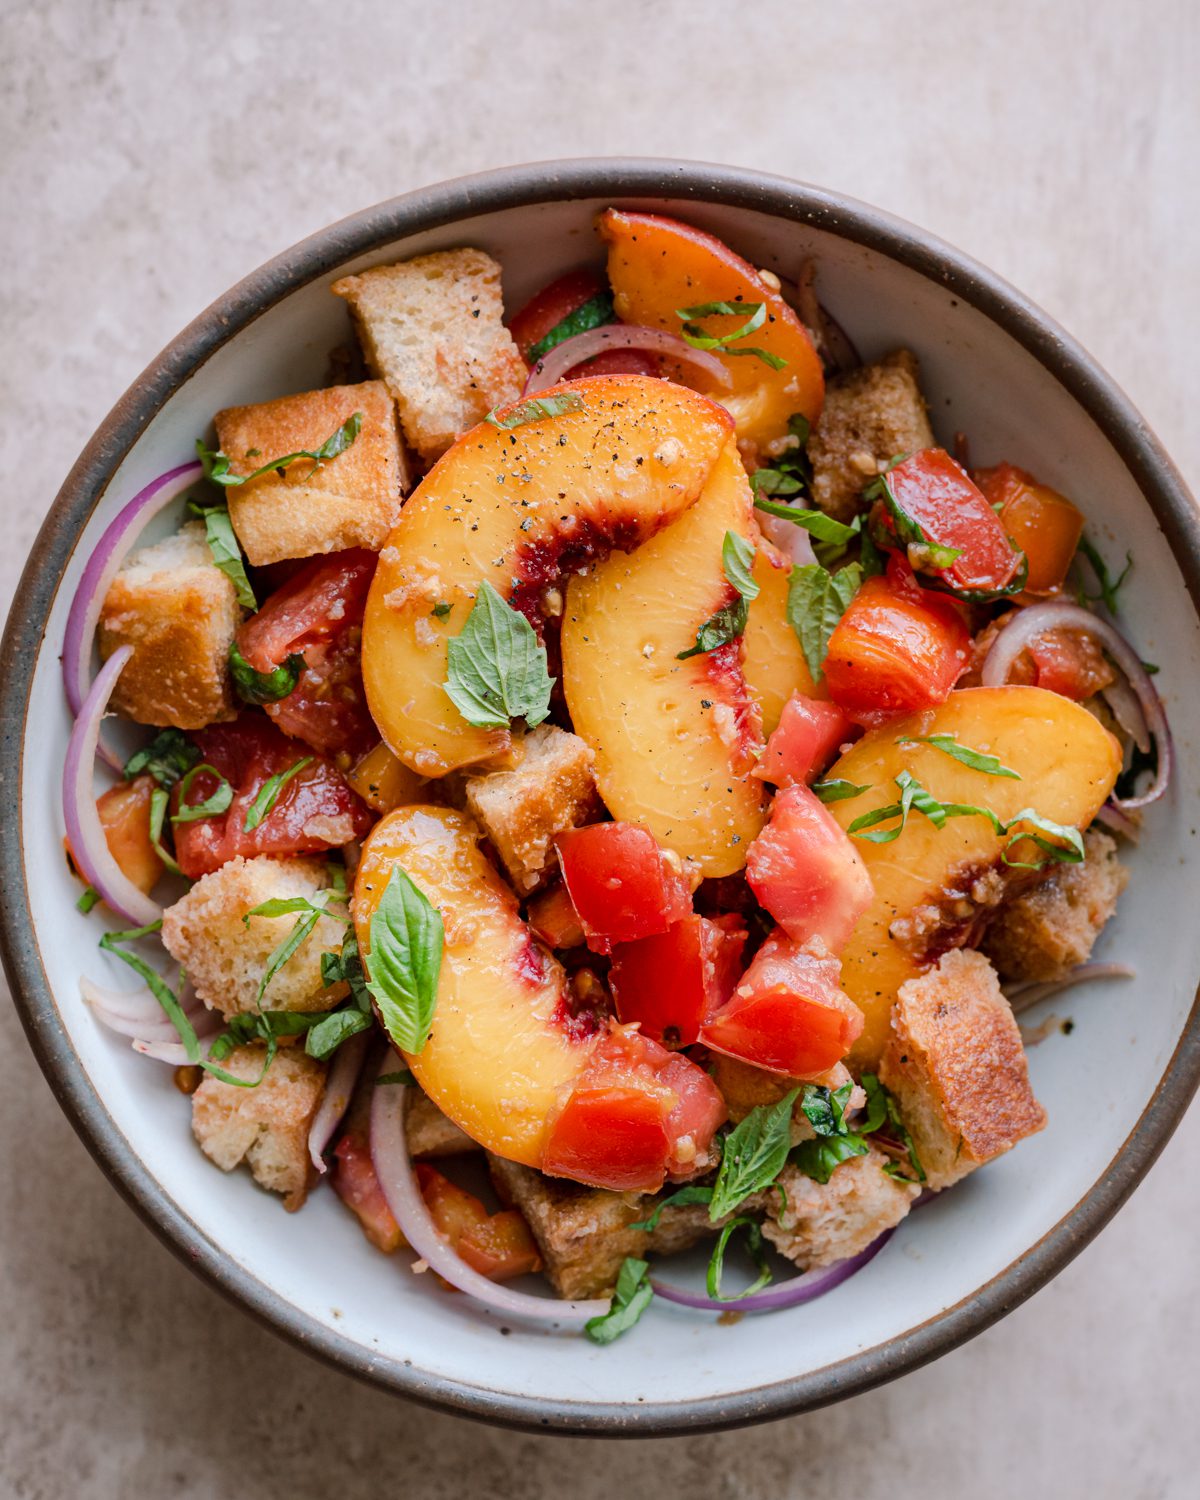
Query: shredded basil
{"points": [[815, 522], [693, 1193], [357, 1015], [89, 898], [533, 409], [268, 794], [497, 667], [310, 913], [630, 1300], [158, 809], [975, 759], [407, 935], [1108, 585], [216, 464], [754, 1244], [167, 757], [924, 555], [696, 336], [594, 313], [216, 802], [752, 1155], [838, 790], [817, 600], [225, 550], [264, 687], [729, 622], [401, 1075]]}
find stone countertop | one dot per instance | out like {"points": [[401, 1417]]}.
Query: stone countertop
{"points": [[155, 153]]}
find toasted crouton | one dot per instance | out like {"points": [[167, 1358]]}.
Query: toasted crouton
{"points": [[956, 1066], [584, 1234], [179, 612], [351, 500], [266, 1127], [870, 416], [825, 1222], [433, 329], [430, 1133], [1047, 931], [521, 811], [226, 957]]}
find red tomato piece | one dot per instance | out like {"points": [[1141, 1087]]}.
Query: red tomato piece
{"points": [[355, 1183], [1069, 663], [692, 1121], [620, 883], [897, 648], [318, 614], [1038, 520], [951, 511], [501, 1247], [805, 871], [671, 981], [788, 1014], [554, 920], [315, 810], [809, 735], [558, 301], [453, 1210]]}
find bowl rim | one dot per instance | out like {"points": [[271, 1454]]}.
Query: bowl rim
{"points": [[437, 206]]}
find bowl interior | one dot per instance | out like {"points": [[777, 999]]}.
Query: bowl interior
{"points": [[313, 1271]]}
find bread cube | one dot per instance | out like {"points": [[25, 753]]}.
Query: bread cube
{"points": [[266, 1127], [825, 1222], [226, 958], [957, 1068], [433, 329], [179, 612], [430, 1133], [307, 509]]}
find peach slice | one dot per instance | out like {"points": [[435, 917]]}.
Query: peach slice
{"points": [[926, 898], [659, 265], [504, 1042], [674, 740], [515, 508], [771, 656]]}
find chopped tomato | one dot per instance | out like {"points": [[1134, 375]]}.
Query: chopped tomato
{"points": [[1038, 520], [318, 615], [315, 809], [124, 812], [933, 491], [554, 919], [620, 883], [808, 736], [453, 1210], [806, 872], [788, 1014], [501, 1247], [1070, 663], [897, 648], [670, 982], [558, 301], [355, 1183], [635, 1115]]}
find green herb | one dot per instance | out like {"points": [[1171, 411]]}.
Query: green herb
{"points": [[217, 464], [226, 553], [167, 757], [753, 1155], [630, 1300], [836, 1142], [1062, 843], [264, 687], [816, 522], [870, 559], [976, 759], [594, 313], [441, 609], [497, 668], [696, 336], [737, 558], [820, 1157], [729, 622], [693, 1193], [817, 600], [357, 1016], [407, 935], [89, 898], [326, 1037], [346, 968], [825, 1109], [216, 802], [923, 554], [790, 473], [534, 409], [881, 1109], [158, 809], [401, 1075], [281, 906], [1108, 584], [268, 794], [837, 790], [754, 1244], [263, 1026]]}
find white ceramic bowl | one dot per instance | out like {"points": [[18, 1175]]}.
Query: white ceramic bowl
{"points": [[994, 367]]}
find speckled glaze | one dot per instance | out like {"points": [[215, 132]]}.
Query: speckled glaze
{"points": [[884, 280]]}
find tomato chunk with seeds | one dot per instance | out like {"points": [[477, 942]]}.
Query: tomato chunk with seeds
{"points": [[355, 1183], [896, 649], [315, 809], [951, 511], [620, 882], [501, 1247], [1039, 522], [670, 982], [809, 734], [788, 1013], [807, 873], [318, 614]]}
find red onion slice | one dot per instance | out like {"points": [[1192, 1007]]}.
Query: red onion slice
{"points": [[393, 1167], [339, 1086], [103, 566], [793, 541], [1023, 996], [172, 1053], [85, 833], [552, 367], [1117, 822], [793, 1293], [1061, 615]]}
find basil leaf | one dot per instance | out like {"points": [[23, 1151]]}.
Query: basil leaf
{"points": [[718, 630], [329, 1034], [286, 906], [825, 1109], [696, 336], [1108, 584], [737, 559], [881, 1110], [815, 522], [407, 935], [534, 409], [300, 931], [753, 1155], [226, 552], [216, 464], [976, 759], [594, 313], [1069, 851], [346, 967], [820, 1157], [268, 794], [693, 1193], [216, 802], [158, 809], [778, 481], [263, 687], [167, 757], [837, 790], [879, 1105], [817, 600], [630, 1300], [441, 609], [89, 898], [497, 668], [754, 1244]]}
